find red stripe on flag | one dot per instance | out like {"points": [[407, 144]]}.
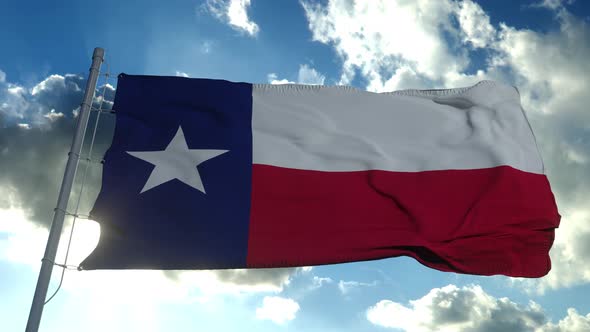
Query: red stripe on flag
{"points": [[486, 221]]}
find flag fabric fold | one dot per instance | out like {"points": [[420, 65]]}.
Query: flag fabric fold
{"points": [[211, 174]]}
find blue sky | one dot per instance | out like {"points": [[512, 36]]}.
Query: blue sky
{"points": [[539, 46]]}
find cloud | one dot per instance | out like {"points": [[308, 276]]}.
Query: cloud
{"points": [[429, 44], [469, 308], [206, 47], [305, 75], [308, 75], [23, 241], [234, 13], [267, 279], [127, 300], [233, 282], [572, 322], [181, 74], [277, 309], [57, 92], [33, 163], [413, 40], [318, 282], [305, 269], [346, 287], [273, 79], [553, 4], [37, 128], [475, 25], [53, 115]]}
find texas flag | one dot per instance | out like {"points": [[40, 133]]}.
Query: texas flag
{"points": [[211, 174]]}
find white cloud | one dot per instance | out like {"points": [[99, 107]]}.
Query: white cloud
{"points": [[127, 300], [308, 75], [423, 46], [61, 93], [318, 282], [469, 308], [16, 90], [234, 12], [53, 115], [346, 287], [180, 74], [277, 309], [576, 156], [414, 37], [50, 83], [206, 47], [273, 79], [553, 4], [253, 280], [573, 322], [475, 24], [23, 241], [13, 101], [305, 75], [2, 76], [550, 68]]}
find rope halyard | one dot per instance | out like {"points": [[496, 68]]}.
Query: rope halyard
{"points": [[102, 110], [99, 110], [88, 159]]}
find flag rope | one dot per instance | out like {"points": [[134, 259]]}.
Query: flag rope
{"points": [[79, 216], [75, 214], [69, 267], [80, 158], [102, 110]]}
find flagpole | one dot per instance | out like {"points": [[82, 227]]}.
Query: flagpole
{"points": [[64, 195]]}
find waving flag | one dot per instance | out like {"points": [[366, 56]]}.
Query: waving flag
{"points": [[210, 174]]}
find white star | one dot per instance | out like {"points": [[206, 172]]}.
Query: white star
{"points": [[177, 161]]}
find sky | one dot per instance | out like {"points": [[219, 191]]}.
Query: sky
{"points": [[539, 46]]}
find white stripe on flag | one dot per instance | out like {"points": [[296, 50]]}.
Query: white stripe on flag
{"points": [[346, 129]]}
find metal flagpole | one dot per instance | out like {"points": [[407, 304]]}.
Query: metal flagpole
{"points": [[64, 195]]}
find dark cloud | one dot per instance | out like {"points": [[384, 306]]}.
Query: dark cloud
{"points": [[62, 93], [465, 305], [453, 307], [256, 276], [260, 279], [266, 278], [34, 155], [508, 316]]}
